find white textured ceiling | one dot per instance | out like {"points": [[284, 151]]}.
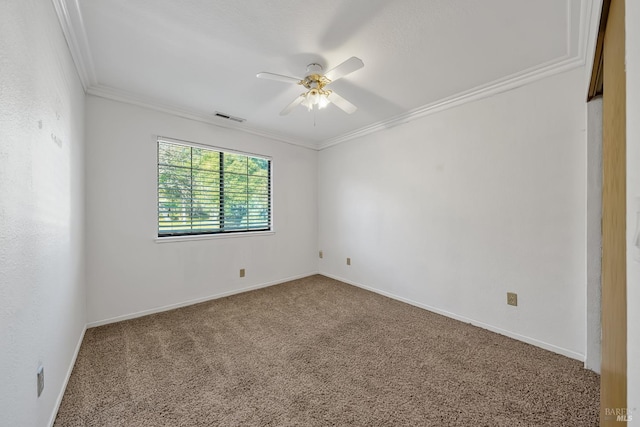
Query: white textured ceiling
{"points": [[196, 57]]}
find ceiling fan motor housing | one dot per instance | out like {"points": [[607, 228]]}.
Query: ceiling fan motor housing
{"points": [[314, 68], [315, 82], [314, 78]]}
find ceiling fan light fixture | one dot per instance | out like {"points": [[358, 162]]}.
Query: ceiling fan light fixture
{"points": [[314, 82], [315, 97], [307, 101], [323, 101]]}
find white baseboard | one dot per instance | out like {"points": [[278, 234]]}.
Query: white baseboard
{"points": [[529, 340], [56, 408], [523, 338], [194, 301]]}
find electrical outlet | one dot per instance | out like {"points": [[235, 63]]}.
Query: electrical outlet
{"points": [[242, 272], [512, 298], [320, 254], [348, 261], [40, 379]]}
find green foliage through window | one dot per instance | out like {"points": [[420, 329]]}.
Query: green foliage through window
{"points": [[202, 191]]}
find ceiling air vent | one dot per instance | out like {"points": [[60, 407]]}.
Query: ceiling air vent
{"points": [[228, 117]]}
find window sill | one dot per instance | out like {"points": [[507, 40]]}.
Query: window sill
{"points": [[172, 239]]}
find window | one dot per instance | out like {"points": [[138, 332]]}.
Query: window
{"points": [[205, 191]]}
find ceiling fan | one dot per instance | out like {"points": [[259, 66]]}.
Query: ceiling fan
{"points": [[315, 83]]}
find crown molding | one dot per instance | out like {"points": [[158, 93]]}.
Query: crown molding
{"points": [[479, 92], [577, 55], [589, 26], [152, 104], [72, 24], [564, 63], [73, 28], [592, 23]]}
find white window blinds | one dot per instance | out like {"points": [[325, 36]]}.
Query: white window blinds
{"points": [[208, 191]]}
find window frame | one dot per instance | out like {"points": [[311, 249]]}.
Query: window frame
{"points": [[157, 139]]}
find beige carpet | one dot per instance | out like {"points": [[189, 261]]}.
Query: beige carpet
{"points": [[317, 352]]}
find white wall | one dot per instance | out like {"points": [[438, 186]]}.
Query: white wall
{"points": [[633, 207], [453, 210], [42, 298], [128, 273]]}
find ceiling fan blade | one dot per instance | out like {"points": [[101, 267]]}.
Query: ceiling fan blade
{"points": [[349, 66], [293, 105], [278, 77], [342, 103]]}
